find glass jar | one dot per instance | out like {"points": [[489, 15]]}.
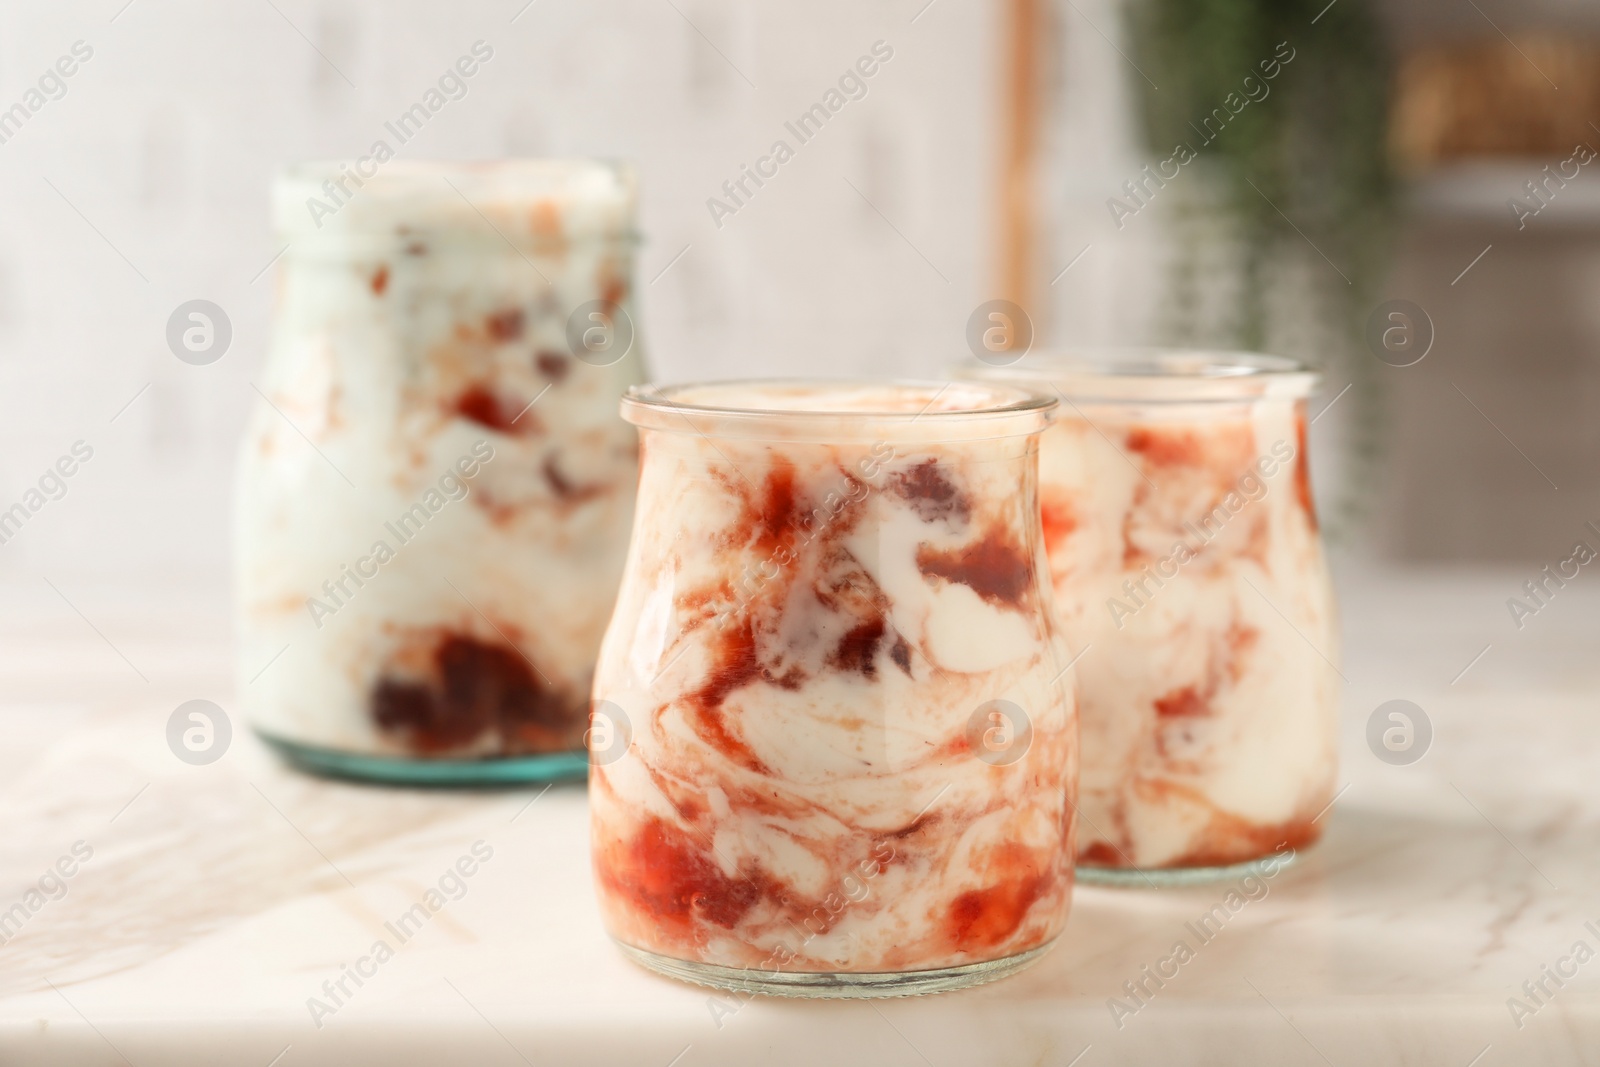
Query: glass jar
{"points": [[833, 755], [1189, 576], [435, 489]]}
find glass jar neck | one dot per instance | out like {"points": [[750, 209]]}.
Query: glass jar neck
{"points": [[1152, 376], [733, 450], [915, 414], [406, 244]]}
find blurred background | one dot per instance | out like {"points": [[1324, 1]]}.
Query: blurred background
{"points": [[1341, 157]]}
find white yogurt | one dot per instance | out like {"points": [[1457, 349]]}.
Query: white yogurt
{"points": [[819, 602], [1189, 573], [433, 496]]}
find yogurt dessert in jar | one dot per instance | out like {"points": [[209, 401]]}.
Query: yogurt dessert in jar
{"points": [[1189, 576], [833, 753], [435, 488]]}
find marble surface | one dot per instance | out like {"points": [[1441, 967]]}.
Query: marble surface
{"points": [[218, 899]]}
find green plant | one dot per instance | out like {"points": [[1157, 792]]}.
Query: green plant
{"points": [[1298, 178]]}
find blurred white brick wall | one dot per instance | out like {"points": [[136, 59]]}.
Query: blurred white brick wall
{"points": [[166, 140]]}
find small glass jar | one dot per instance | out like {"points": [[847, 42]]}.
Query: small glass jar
{"points": [[1189, 576], [435, 489], [833, 754]]}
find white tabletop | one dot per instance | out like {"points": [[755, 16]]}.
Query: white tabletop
{"points": [[218, 899]]}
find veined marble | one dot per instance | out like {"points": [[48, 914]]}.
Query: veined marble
{"points": [[218, 900]]}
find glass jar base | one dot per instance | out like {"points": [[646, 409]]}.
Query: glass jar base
{"points": [[834, 985], [395, 770], [1176, 877]]}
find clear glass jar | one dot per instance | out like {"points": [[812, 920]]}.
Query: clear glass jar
{"points": [[833, 754], [1189, 575], [435, 490]]}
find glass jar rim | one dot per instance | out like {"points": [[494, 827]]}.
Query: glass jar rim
{"points": [[1154, 374], [841, 409]]}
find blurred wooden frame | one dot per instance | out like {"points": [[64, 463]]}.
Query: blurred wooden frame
{"points": [[1021, 43]]}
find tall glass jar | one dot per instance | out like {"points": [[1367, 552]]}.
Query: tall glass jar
{"points": [[832, 753], [1190, 579], [435, 489]]}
